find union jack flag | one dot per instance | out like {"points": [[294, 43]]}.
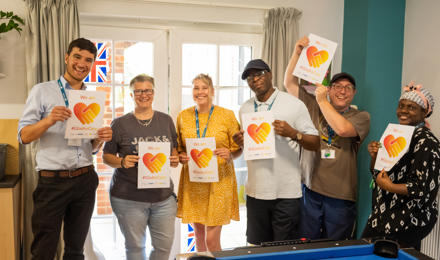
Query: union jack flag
{"points": [[191, 239], [99, 68]]}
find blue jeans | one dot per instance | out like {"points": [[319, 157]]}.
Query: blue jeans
{"points": [[325, 217], [135, 216]]}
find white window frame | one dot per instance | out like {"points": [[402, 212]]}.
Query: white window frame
{"points": [[179, 37], [159, 38]]}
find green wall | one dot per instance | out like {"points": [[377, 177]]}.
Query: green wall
{"points": [[372, 52]]}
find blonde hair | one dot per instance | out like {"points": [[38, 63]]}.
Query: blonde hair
{"points": [[205, 78], [141, 78]]}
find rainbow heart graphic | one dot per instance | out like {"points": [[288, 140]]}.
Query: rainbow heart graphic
{"points": [[154, 163], [316, 58], [86, 114], [394, 145], [202, 158], [259, 133]]}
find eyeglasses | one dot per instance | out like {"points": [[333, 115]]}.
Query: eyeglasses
{"points": [[347, 88], [257, 74], [148, 91]]}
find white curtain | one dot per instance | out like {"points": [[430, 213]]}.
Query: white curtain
{"points": [[281, 32], [50, 26]]}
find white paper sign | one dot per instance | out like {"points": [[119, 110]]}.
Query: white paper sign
{"points": [[87, 114], [259, 137], [395, 143], [153, 165], [202, 162], [315, 59]]}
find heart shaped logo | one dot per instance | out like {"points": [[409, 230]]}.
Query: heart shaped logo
{"points": [[259, 133], [316, 58], [394, 146], [154, 163], [86, 114], [202, 158]]}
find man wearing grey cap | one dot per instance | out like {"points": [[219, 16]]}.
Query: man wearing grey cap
{"points": [[329, 201], [273, 186]]}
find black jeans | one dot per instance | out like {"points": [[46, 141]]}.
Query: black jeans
{"points": [[272, 220], [62, 199]]}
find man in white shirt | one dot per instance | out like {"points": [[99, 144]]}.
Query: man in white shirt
{"points": [[273, 186]]}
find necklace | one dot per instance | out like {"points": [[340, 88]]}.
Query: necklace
{"points": [[146, 122]]}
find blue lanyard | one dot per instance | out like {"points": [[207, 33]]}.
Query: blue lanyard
{"points": [[197, 122], [331, 133], [268, 108], [63, 92]]}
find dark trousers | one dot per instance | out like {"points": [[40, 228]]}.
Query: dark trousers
{"points": [[62, 199], [272, 220], [325, 217]]}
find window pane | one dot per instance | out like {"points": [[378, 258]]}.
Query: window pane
{"points": [[187, 98], [101, 68], [131, 59], [233, 59], [196, 59], [233, 98]]}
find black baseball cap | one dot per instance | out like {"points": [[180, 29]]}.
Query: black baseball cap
{"points": [[341, 76], [257, 64]]}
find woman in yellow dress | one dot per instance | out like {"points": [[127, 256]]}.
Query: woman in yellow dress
{"points": [[208, 206]]}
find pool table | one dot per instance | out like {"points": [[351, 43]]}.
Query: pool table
{"points": [[347, 249]]}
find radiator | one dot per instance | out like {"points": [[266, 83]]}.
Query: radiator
{"points": [[431, 243]]}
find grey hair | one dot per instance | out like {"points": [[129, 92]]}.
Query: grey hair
{"points": [[141, 78]]}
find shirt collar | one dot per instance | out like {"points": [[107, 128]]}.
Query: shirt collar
{"points": [[67, 85], [269, 100]]}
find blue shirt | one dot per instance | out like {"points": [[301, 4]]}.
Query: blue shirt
{"points": [[53, 152]]}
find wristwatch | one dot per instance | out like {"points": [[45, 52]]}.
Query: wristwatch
{"points": [[299, 136]]}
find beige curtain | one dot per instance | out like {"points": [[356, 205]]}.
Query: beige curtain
{"points": [[281, 32], [50, 26]]}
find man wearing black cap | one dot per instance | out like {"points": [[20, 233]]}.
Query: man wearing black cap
{"points": [[273, 186], [329, 202]]}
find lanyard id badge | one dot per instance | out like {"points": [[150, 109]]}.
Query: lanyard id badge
{"points": [[328, 153], [70, 142]]}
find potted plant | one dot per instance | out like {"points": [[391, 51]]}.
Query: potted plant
{"points": [[13, 22]]}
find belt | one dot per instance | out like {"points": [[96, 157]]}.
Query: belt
{"points": [[66, 173]]}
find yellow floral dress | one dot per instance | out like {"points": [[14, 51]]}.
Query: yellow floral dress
{"points": [[216, 203]]}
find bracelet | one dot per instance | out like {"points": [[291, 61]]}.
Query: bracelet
{"points": [[122, 162]]}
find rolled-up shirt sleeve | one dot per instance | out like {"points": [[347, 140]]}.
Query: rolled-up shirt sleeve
{"points": [[33, 110]]}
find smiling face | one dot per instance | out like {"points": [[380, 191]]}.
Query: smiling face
{"points": [[78, 64], [341, 94], [143, 94], [410, 113], [202, 93]]}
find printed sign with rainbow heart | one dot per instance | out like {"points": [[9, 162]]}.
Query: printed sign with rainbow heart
{"points": [[202, 164], [315, 59], [394, 142], [259, 138], [87, 113], [153, 165]]}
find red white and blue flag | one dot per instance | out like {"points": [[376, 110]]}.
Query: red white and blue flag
{"points": [[100, 66], [191, 239]]}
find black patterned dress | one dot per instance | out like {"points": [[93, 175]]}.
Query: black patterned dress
{"points": [[409, 218]]}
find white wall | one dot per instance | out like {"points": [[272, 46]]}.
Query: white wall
{"points": [[421, 57], [12, 64]]}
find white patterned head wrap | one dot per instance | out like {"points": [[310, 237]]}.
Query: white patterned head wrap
{"points": [[420, 96]]}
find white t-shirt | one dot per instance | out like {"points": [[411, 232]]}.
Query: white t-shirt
{"points": [[280, 177]]}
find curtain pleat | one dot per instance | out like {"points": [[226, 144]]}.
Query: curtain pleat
{"points": [[281, 32]]}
